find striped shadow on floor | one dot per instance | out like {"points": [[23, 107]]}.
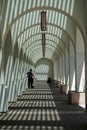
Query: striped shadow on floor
{"points": [[43, 108]]}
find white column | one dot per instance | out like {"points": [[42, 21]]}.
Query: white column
{"points": [[2, 66], [24, 74], [3, 87], [63, 69], [67, 67], [71, 67], [8, 70], [80, 71], [12, 86], [80, 62], [3, 98], [86, 75], [20, 84], [55, 68], [59, 72]]}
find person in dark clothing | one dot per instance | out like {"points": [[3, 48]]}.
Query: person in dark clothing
{"points": [[49, 81], [30, 79]]}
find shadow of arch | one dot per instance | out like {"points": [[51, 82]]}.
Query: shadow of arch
{"points": [[7, 56], [21, 54], [15, 61], [16, 51]]}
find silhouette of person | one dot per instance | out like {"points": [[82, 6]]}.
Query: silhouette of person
{"points": [[49, 81], [30, 79]]}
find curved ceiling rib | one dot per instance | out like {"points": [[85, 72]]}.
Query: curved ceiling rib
{"points": [[51, 43], [39, 41], [18, 23], [49, 29], [56, 52], [39, 52], [40, 47], [21, 9], [48, 43], [25, 24], [56, 32], [46, 34], [36, 25], [28, 32], [51, 35]]}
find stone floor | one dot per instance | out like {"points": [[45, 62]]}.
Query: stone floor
{"points": [[43, 108]]}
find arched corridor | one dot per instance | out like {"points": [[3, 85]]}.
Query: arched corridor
{"points": [[49, 36]]}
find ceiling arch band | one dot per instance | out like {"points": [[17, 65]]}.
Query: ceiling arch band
{"points": [[28, 17]]}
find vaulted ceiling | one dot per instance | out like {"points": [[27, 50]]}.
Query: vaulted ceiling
{"points": [[23, 18]]}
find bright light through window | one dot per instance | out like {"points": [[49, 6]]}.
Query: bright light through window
{"points": [[41, 72]]}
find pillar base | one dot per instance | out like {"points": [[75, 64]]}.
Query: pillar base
{"points": [[58, 84], [54, 82], [64, 89], [76, 97]]}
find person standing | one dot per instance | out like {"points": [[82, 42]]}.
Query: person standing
{"points": [[30, 79], [49, 81], [33, 77]]}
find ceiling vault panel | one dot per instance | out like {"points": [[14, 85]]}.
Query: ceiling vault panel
{"points": [[37, 28]]}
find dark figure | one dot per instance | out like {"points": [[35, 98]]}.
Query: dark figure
{"points": [[49, 81], [30, 79]]}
